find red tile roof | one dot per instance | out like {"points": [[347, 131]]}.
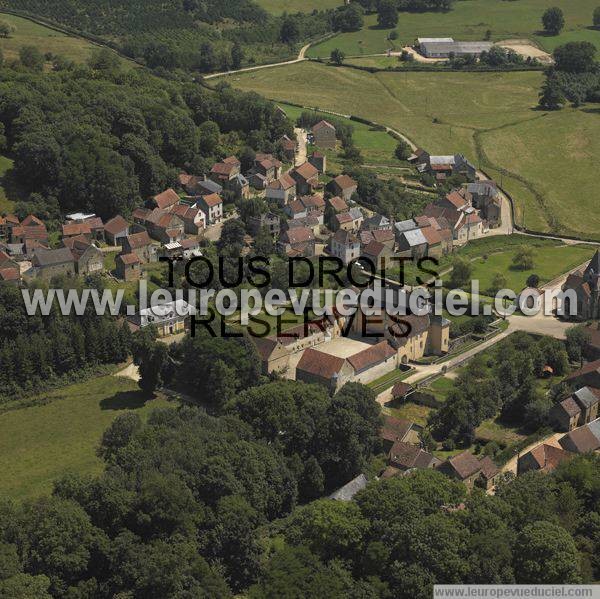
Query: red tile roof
{"points": [[116, 225], [166, 199], [298, 235], [138, 240], [307, 171], [10, 273], [212, 200], [128, 258], [319, 363], [338, 204], [395, 429], [371, 356], [548, 457], [344, 182], [322, 125], [71, 229]]}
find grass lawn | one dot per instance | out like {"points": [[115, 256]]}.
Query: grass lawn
{"points": [[41, 443], [493, 430], [470, 20], [28, 33], [441, 387], [410, 411], [387, 380], [6, 205], [278, 7], [549, 263], [490, 117]]}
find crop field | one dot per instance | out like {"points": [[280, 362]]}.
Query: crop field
{"points": [[28, 33], [278, 7], [541, 158], [470, 20], [39, 444]]}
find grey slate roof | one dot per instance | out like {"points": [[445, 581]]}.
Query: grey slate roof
{"points": [[405, 225], [210, 186], [594, 427], [586, 397], [349, 490], [415, 237], [49, 257], [457, 48]]}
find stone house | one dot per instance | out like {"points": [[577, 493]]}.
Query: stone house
{"points": [[343, 186], [212, 207], [586, 285], [165, 200], [128, 267], [88, 258], [345, 246], [324, 135], [193, 218], [141, 245], [50, 263], [298, 241], [287, 147], [115, 230], [471, 470], [306, 177], [380, 254], [544, 458], [269, 221], [169, 318], [319, 161], [282, 190], [584, 439]]}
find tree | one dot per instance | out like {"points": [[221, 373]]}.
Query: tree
{"points": [[523, 258], [553, 20], [578, 339], [533, 280], [596, 17], [118, 434], [551, 95], [151, 368], [403, 150], [289, 32], [6, 29], [461, 272], [337, 56], [221, 385], [498, 282], [104, 59], [237, 55], [31, 57], [575, 57], [545, 553], [387, 14]]}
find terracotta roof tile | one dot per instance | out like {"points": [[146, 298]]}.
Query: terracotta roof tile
{"points": [[319, 363]]}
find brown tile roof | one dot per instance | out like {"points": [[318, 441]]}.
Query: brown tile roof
{"points": [[71, 229], [548, 457], [585, 369], [166, 198], [400, 389], [10, 273], [95, 222], [314, 201], [32, 221], [141, 213], [465, 464], [456, 199], [344, 182], [382, 235], [298, 235], [45, 257], [395, 429], [284, 182], [116, 225], [184, 179], [345, 237], [4, 257], [371, 356], [128, 258], [222, 168], [343, 217], [322, 125], [212, 199], [296, 207], [307, 171], [432, 235], [374, 248], [488, 468], [232, 160], [583, 439], [139, 240], [338, 204], [570, 406], [319, 363], [417, 324], [12, 219], [406, 455]]}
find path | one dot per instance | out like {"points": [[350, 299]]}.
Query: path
{"points": [[301, 57], [301, 146]]}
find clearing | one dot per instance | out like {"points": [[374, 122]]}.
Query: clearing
{"points": [[538, 157], [39, 444], [278, 7], [48, 40], [470, 20]]}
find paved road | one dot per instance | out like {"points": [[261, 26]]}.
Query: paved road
{"points": [[299, 58]]}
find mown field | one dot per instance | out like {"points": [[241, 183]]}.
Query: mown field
{"points": [[548, 160], [278, 7], [41, 443], [28, 33], [470, 20]]}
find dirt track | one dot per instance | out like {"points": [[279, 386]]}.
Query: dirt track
{"points": [[527, 49]]}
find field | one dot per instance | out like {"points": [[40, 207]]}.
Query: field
{"points": [[278, 7], [28, 33], [470, 20], [6, 205], [549, 263], [490, 117], [41, 443]]}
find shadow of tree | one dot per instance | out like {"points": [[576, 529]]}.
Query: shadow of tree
{"points": [[125, 400]]}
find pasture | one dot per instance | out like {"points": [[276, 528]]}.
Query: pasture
{"points": [[470, 20], [278, 7], [546, 160], [39, 444]]}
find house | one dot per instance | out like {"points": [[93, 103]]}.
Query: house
{"points": [[324, 135], [588, 400], [88, 258], [345, 246], [404, 456], [169, 318], [377, 222], [141, 245], [199, 186], [566, 415], [313, 203], [319, 161], [193, 218], [267, 166], [412, 244], [349, 490], [282, 190], [588, 375], [50, 263], [298, 241], [445, 47], [471, 470], [584, 439], [393, 430], [306, 177], [296, 209], [287, 147], [9, 274], [544, 458], [165, 200], [442, 167], [212, 207], [115, 230], [400, 391], [343, 186], [269, 221], [586, 286], [379, 254], [485, 197], [128, 267], [337, 204], [227, 174], [330, 371], [164, 226], [71, 229], [342, 221]]}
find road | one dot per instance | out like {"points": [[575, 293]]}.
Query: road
{"points": [[299, 58], [300, 146]]}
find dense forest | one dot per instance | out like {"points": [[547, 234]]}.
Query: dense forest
{"points": [[201, 36], [99, 139]]}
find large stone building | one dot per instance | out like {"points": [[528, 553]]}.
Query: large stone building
{"points": [[586, 285]]}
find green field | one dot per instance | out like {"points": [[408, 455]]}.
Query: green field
{"points": [[278, 7], [549, 160], [41, 443], [28, 33], [549, 263], [470, 20], [6, 204]]}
